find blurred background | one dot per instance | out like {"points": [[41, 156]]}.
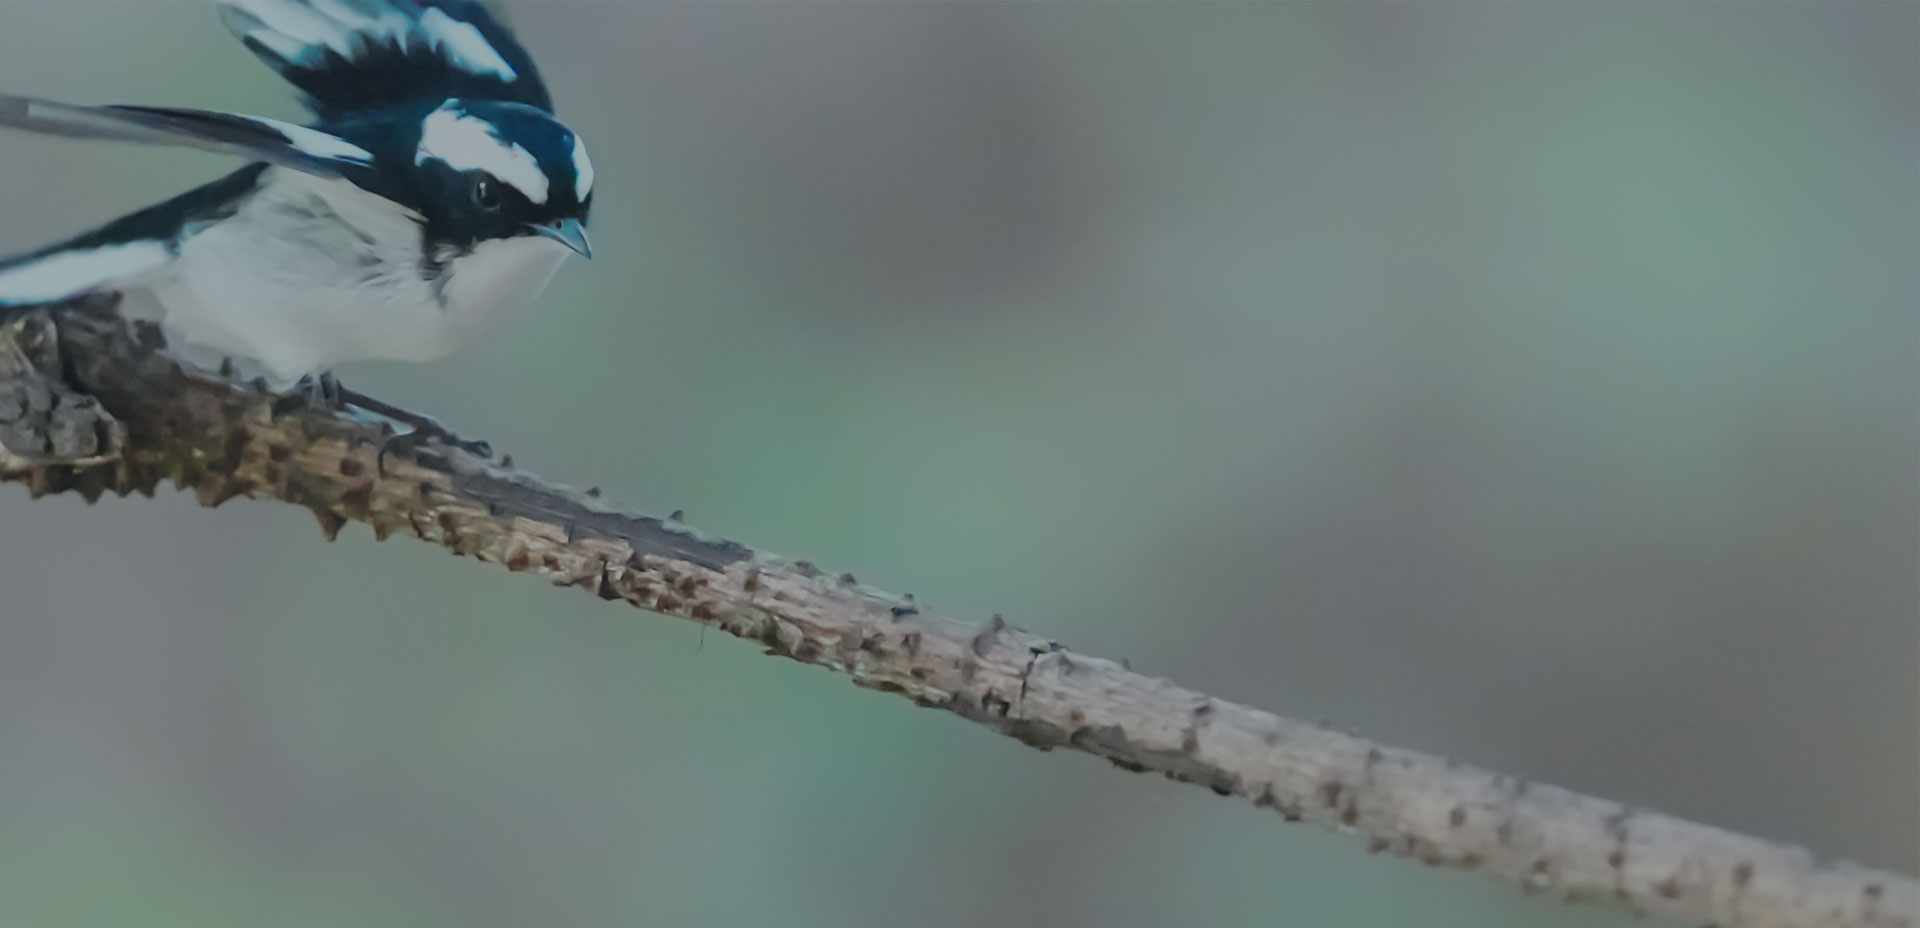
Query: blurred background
{"points": [[1535, 384]]}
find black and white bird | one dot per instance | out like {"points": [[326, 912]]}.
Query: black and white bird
{"points": [[433, 193]]}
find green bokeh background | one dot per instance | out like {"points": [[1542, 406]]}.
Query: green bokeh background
{"points": [[1534, 383]]}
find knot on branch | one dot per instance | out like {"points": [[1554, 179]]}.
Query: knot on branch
{"points": [[43, 421]]}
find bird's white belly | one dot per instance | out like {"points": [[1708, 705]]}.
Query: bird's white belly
{"points": [[313, 273]]}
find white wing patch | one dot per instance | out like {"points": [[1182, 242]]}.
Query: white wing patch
{"points": [[582, 170], [467, 143], [294, 29], [465, 46], [319, 144], [68, 273]]}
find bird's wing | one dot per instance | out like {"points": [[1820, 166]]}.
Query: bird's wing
{"points": [[270, 140], [131, 250], [350, 55]]}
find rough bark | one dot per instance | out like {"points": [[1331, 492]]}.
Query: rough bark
{"points": [[89, 405]]}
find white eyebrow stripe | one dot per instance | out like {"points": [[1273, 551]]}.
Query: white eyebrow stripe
{"points": [[63, 274], [582, 170], [466, 143]]}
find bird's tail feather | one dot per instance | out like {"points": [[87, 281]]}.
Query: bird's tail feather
{"points": [[251, 137]]}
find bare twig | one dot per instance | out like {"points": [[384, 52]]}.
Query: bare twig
{"points": [[222, 440]]}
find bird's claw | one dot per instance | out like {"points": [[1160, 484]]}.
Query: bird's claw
{"points": [[426, 430], [325, 392], [422, 430]]}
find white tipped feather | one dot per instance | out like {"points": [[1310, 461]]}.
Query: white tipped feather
{"points": [[297, 30], [65, 274], [465, 46], [320, 144], [229, 133]]}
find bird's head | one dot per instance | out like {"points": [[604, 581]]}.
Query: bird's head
{"points": [[490, 170]]}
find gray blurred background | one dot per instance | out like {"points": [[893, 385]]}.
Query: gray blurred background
{"points": [[1530, 383]]}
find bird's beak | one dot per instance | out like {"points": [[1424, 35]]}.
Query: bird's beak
{"points": [[568, 232]]}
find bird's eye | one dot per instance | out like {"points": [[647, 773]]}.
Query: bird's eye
{"points": [[486, 195]]}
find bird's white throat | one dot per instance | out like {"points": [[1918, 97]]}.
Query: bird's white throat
{"points": [[497, 279]]}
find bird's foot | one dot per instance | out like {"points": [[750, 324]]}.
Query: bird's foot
{"points": [[426, 431], [422, 429]]}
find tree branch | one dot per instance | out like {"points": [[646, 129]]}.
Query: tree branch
{"points": [[89, 405]]}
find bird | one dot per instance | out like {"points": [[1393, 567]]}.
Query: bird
{"points": [[433, 192]]}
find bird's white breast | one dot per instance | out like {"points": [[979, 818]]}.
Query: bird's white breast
{"points": [[312, 273], [496, 279]]}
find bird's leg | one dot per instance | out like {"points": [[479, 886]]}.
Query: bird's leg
{"points": [[311, 392], [331, 393], [424, 428]]}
